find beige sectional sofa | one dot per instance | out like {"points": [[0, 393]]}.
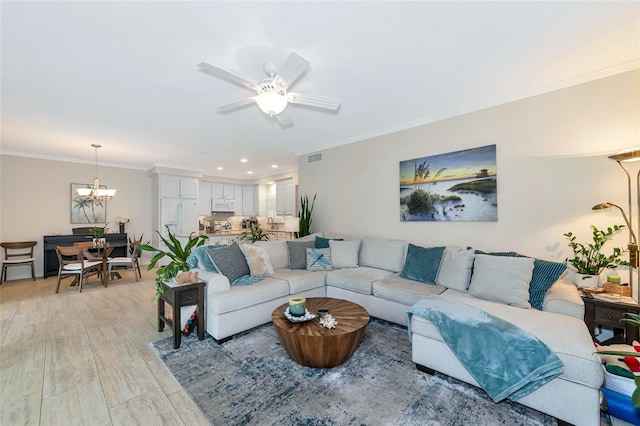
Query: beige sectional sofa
{"points": [[375, 283]]}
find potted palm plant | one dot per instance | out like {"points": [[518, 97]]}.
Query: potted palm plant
{"points": [[306, 209], [176, 252], [588, 259]]}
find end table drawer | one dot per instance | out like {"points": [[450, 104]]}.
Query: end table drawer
{"points": [[189, 297], [609, 316]]}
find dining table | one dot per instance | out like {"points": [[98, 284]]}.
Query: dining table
{"points": [[104, 252]]}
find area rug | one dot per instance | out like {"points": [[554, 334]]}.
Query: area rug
{"points": [[251, 380]]}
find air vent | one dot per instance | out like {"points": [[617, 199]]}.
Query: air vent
{"points": [[314, 158]]}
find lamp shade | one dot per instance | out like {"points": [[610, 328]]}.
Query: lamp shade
{"points": [[291, 224], [271, 102]]}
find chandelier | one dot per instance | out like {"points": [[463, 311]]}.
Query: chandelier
{"points": [[95, 192]]}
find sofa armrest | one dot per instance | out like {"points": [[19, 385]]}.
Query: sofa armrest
{"points": [[563, 298], [215, 282]]}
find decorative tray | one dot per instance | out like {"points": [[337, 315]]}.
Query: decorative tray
{"points": [[306, 317]]}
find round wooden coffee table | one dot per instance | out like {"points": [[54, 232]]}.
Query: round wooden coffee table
{"points": [[313, 345]]}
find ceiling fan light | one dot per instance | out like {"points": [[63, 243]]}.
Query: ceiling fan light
{"points": [[271, 103]]}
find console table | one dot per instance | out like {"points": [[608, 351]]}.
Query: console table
{"points": [[53, 241]]}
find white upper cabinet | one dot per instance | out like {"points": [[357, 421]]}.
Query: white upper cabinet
{"points": [[225, 191], [285, 197], [173, 186], [204, 204], [250, 200]]}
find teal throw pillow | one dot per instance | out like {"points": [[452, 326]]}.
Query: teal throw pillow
{"points": [[422, 263], [319, 259], [545, 273], [249, 279], [200, 259], [324, 242]]}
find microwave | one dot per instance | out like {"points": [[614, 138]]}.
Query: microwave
{"points": [[223, 206]]}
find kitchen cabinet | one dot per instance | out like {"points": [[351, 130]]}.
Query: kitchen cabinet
{"points": [[285, 198], [225, 191], [173, 186], [205, 197], [250, 200]]}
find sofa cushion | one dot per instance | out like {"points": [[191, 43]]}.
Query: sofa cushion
{"points": [[229, 261], [344, 254], [383, 254], [300, 280], [240, 297], [545, 273], [568, 337], [319, 259], [298, 253], [277, 251], [502, 279], [324, 242], [356, 279], [455, 268], [200, 259], [402, 290], [257, 259], [422, 263]]}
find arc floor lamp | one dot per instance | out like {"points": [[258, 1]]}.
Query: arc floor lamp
{"points": [[621, 159]]}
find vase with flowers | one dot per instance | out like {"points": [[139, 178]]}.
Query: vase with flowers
{"points": [[121, 220]]}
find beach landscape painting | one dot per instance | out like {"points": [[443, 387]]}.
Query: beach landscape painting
{"points": [[456, 186]]}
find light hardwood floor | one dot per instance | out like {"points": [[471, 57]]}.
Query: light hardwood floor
{"points": [[84, 358]]}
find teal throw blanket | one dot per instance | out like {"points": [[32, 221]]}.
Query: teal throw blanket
{"points": [[506, 361]]}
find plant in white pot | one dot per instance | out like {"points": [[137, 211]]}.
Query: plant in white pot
{"points": [[588, 259]]}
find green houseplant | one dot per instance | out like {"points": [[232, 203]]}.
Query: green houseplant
{"points": [[256, 234], [100, 231], [305, 215], [176, 252], [588, 258]]}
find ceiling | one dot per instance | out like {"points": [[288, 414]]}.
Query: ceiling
{"points": [[125, 75]]}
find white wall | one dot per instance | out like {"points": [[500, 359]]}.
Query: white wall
{"points": [[35, 200], [548, 175]]}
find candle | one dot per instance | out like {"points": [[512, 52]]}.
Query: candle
{"points": [[613, 279], [297, 306]]}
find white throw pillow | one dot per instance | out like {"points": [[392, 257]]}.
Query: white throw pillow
{"points": [[383, 254], [344, 254], [257, 258], [455, 268], [277, 251], [502, 279]]}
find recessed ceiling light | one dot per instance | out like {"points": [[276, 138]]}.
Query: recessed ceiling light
{"points": [[249, 172], [243, 160], [220, 168], [274, 166], [270, 182]]}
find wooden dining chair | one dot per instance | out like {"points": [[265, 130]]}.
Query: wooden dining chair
{"points": [[18, 254], [132, 261], [86, 245], [72, 263]]}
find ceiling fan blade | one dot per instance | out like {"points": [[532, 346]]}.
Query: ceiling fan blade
{"points": [[236, 104], [284, 118], [289, 72], [314, 100], [227, 75]]}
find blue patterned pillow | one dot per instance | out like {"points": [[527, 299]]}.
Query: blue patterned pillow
{"points": [[319, 259], [422, 263], [249, 279]]}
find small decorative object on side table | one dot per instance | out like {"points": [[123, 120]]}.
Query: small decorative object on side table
{"points": [[179, 295], [603, 309]]}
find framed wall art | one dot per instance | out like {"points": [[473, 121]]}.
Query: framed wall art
{"points": [[87, 210], [456, 186]]}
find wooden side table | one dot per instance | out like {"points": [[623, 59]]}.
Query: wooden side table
{"points": [[608, 314], [179, 295]]}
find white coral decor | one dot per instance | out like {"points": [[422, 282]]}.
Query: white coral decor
{"points": [[328, 321]]}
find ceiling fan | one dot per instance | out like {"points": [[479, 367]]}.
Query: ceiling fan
{"points": [[272, 96]]}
